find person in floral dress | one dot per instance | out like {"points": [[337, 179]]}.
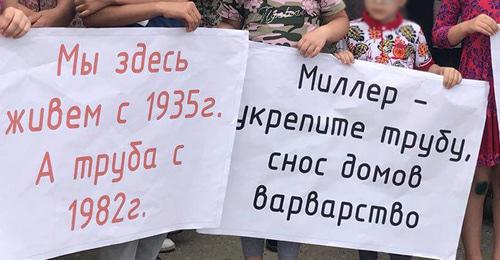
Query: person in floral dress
{"points": [[479, 22], [394, 42], [47, 13]]}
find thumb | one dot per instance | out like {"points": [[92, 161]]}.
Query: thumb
{"points": [[34, 17]]}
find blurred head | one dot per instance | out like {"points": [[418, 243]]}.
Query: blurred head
{"points": [[384, 10]]}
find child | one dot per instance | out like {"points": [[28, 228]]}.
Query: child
{"points": [[308, 25], [13, 23], [480, 18], [383, 36], [138, 13]]}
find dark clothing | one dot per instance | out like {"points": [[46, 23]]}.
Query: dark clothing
{"points": [[369, 255], [422, 12]]}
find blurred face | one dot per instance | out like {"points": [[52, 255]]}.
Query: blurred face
{"points": [[383, 10]]}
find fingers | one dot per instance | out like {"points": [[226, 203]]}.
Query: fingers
{"points": [[6, 20], [485, 27], [346, 57], [14, 24], [451, 78], [446, 78], [304, 47], [34, 17], [23, 28], [79, 2], [312, 51], [3, 23], [195, 18], [86, 13], [191, 16], [26, 28], [198, 14], [457, 78], [81, 8], [490, 22], [190, 23]]}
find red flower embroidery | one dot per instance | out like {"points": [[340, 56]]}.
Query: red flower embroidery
{"points": [[382, 58], [374, 33], [399, 49], [423, 49]]}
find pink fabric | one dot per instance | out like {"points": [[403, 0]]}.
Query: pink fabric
{"points": [[475, 62]]}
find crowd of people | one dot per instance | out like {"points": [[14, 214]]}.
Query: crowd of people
{"points": [[448, 38]]}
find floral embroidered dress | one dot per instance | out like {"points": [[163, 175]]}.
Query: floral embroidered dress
{"points": [[400, 43], [475, 61], [279, 22]]}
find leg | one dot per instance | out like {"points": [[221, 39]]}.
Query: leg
{"points": [[471, 230], [253, 248], [149, 248], [288, 250], [400, 257], [495, 185], [367, 255], [125, 251]]}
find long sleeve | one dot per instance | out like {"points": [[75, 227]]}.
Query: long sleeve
{"points": [[447, 17]]}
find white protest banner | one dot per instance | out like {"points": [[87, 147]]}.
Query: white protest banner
{"points": [[363, 156], [113, 135], [495, 62]]}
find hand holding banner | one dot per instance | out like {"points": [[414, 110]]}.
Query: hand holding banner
{"points": [[363, 156], [114, 135]]}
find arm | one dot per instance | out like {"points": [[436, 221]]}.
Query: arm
{"points": [[480, 24], [89, 7], [122, 15], [129, 14], [447, 17], [62, 14], [334, 29]]}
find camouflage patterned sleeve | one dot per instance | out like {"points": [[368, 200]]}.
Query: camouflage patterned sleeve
{"points": [[231, 10], [331, 7]]}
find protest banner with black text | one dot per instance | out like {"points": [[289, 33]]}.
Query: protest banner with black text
{"points": [[365, 156]]}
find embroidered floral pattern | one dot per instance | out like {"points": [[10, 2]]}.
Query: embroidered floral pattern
{"points": [[400, 45]]}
